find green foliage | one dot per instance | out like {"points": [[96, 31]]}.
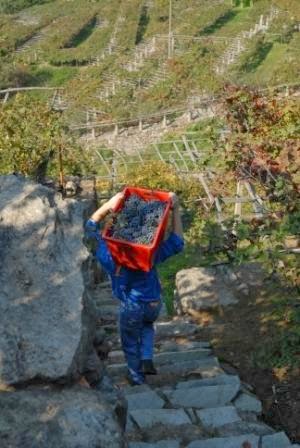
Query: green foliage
{"points": [[280, 347], [53, 76], [12, 6], [143, 23], [262, 148], [82, 34], [219, 22], [160, 175], [259, 54], [19, 75], [31, 136]]}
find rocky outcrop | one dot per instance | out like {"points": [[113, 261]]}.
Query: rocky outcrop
{"points": [[206, 289], [68, 418], [46, 319], [201, 289]]}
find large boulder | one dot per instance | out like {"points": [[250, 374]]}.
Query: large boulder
{"points": [[70, 418], [46, 319], [200, 289]]}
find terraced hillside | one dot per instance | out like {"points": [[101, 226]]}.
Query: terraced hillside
{"points": [[117, 57]]}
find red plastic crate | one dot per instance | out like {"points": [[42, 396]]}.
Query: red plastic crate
{"points": [[133, 255]]}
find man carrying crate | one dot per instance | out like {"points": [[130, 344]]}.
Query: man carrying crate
{"points": [[139, 292]]}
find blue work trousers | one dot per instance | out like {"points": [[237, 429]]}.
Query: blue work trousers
{"points": [[137, 334]]}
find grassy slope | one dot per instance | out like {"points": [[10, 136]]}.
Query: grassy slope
{"points": [[190, 70]]}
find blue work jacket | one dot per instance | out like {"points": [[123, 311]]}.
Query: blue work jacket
{"points": [[130, 283]]}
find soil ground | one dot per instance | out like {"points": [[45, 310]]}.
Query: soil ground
{"points": [[243, 339]]}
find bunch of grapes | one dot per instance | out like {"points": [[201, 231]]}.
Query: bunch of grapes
{"points": [[137, 222]]}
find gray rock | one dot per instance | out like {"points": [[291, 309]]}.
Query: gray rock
{"points": [[105, 299], [152, 417], [207, 373], [144, 400], [239, 428], [191, 413], [128, 390], [173, 346], [253, 274], [278, 440], [129, 424], [227, 273], [209, 362], [94, 369], [115, 397], [163, 312], [108, 311], [201, 289], [174, 329], [100, 336], [226, 442], [246, 402], [46, 315], [116, 356], [161, 444], [215, 417], [243, 288], [69, 418], [71, 188], [217, 380], [204, 397], [181, 356], [248, 416]]}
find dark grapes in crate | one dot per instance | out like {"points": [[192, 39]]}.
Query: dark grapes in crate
{"points": [[138, 220]]}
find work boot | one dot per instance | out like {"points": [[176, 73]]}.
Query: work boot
{"points": [[148, 367]]}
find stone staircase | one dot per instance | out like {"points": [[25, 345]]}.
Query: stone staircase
{"points": [[192, 402]]}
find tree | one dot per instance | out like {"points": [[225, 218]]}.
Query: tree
{"points": [[30, 136]]}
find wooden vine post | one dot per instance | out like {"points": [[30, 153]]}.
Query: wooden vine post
{"points": [[61, 167]]}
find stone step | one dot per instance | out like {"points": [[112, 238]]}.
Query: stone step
{"points": [[247, 440], [148, 399], [168, 357], [213, 418], [152, 417], [198, 366], [161, 444], [215, 381], [278, 440], [117, 356], [208, 366], [243, 427], [108, 310], [175, 328], [204, 396], [104, 300], [248, 403], [175, 346]]}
